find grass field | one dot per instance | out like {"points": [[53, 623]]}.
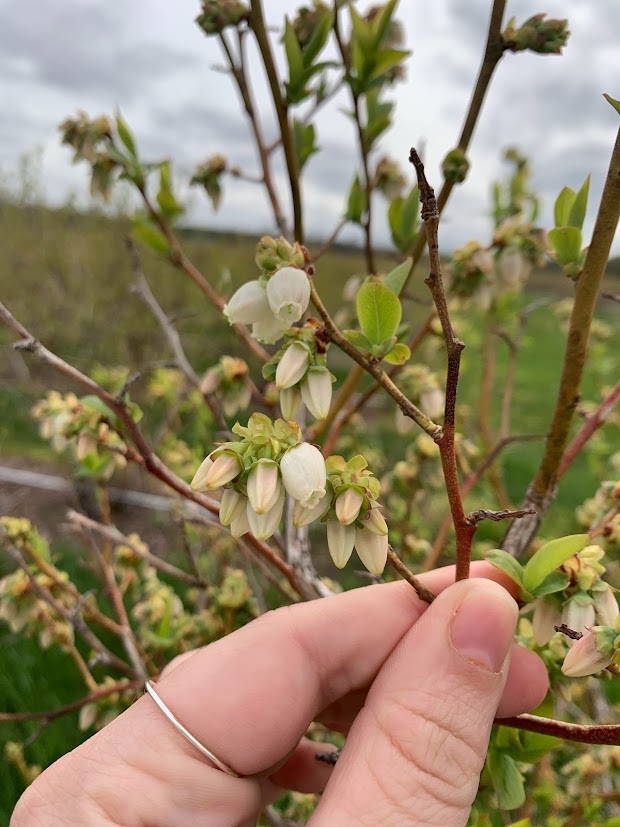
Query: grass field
{"points": [[67, 277]]}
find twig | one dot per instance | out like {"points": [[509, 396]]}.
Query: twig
{"points": [[52, 714], [476, 517], [541, 491], [257, 24], [608, 734], [151, 461], [423, 593], [430, 215], [467, 485], [591, 424]]}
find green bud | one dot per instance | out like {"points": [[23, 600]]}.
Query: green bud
{"points": [[455, 166]]}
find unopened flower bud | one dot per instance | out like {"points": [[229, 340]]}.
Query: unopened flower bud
{"points": [[348, 505], [226, 466], [372, 549], [375, 522], [578, 612], [592, 653], [263, 526], [269, 330], [304, 516], [316, 391], [455, 166], [200, 477], [248, 304], [304, 474], [290, 400], [288, 292], [240, 525], [605, 606], [340, 542], [264, 485], [546, 617], [292, 366], [231, 506]]}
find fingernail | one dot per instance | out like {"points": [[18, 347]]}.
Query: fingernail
{"points": [[483, 627]]}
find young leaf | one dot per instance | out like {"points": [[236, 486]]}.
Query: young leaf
{"points": [[398, 276], [356, 206], [562, 207], [296, 74], [507, 780], [554, 582], [304, 142], [151, 237], [319, 38], [381, 22], [385, 60], [506, 562], [124, 133], [358, 339], [398, 355], [550, 557], [566, 243], [378, 312], [578, 210], [612, 101]]}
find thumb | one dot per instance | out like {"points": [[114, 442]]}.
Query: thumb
{"points": [[416, 750]]}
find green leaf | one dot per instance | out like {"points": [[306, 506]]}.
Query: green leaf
{"points": [[357, 203], [550, 557], [165, 197], [319, 38], [361, 31], [557, 581], [399, 355], [578, 210], [387, 59], [378, 312], [304, 142], [396, 278], [294, 57], [358, 339], [151, 237], [97, 404], [506, 562], [124, 133], [562, 207], [381, 22], [507, 780], [566, 242], [525, 822], [613, 102]]}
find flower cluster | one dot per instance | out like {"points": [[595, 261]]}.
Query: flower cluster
{"points": [[537, 34], [470, 269], [218, 15], [594, 509], [227, 381], [585, 600], [308, 21], [389, 179], [596, 650], [208, 175], [300, 373]]}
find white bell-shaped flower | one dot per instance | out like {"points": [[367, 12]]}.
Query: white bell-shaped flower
{"points": [[292, 366], [264, 485], [240, 525], [375, 522], [269, 330], [372, 549], [226, 466], [290, 400], [304, 516], [605, 606], [200, 477], [340, 542], [593, 652], [288, 293], [248, 304], [348, 505], [546, 617], [578, 612], [231, 506], [263, 526], [304, 474], [316, 391]]}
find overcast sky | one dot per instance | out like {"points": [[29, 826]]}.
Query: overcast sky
{"points": [[149, 58]]}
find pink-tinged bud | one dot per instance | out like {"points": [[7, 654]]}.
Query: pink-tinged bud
{"points": [[432, 402], [372, 549], [292, 366], [248, 304], [288, 293], [578, 613], [85, 444], [231, 506], [592, 653], [606, 607], [316, 391], [340, 542], [546, 617], [290, 400], [304, 516], [226, 466], [264, 485], [348, 505], [200, 477], [263, 526], [240, 525], [269, 330], [375, 522], [303, 474]]}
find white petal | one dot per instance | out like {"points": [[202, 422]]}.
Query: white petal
{"points": [[316, 391], [263, 526], [372, 549], [264, 486], [248, 304], [304, 474], [304, 516], [288, 293], [340, 541], [292, 366], [269, 330]]}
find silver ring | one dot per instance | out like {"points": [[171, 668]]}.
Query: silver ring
{"points": [[178, 725]]}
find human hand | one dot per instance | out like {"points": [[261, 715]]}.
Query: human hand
{"points": [[416, 688]]}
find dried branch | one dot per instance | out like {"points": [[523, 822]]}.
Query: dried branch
{"points": [[52, 714], [463, 530], [582, 733], [423, 593], [476, 517], [541, 492]]}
